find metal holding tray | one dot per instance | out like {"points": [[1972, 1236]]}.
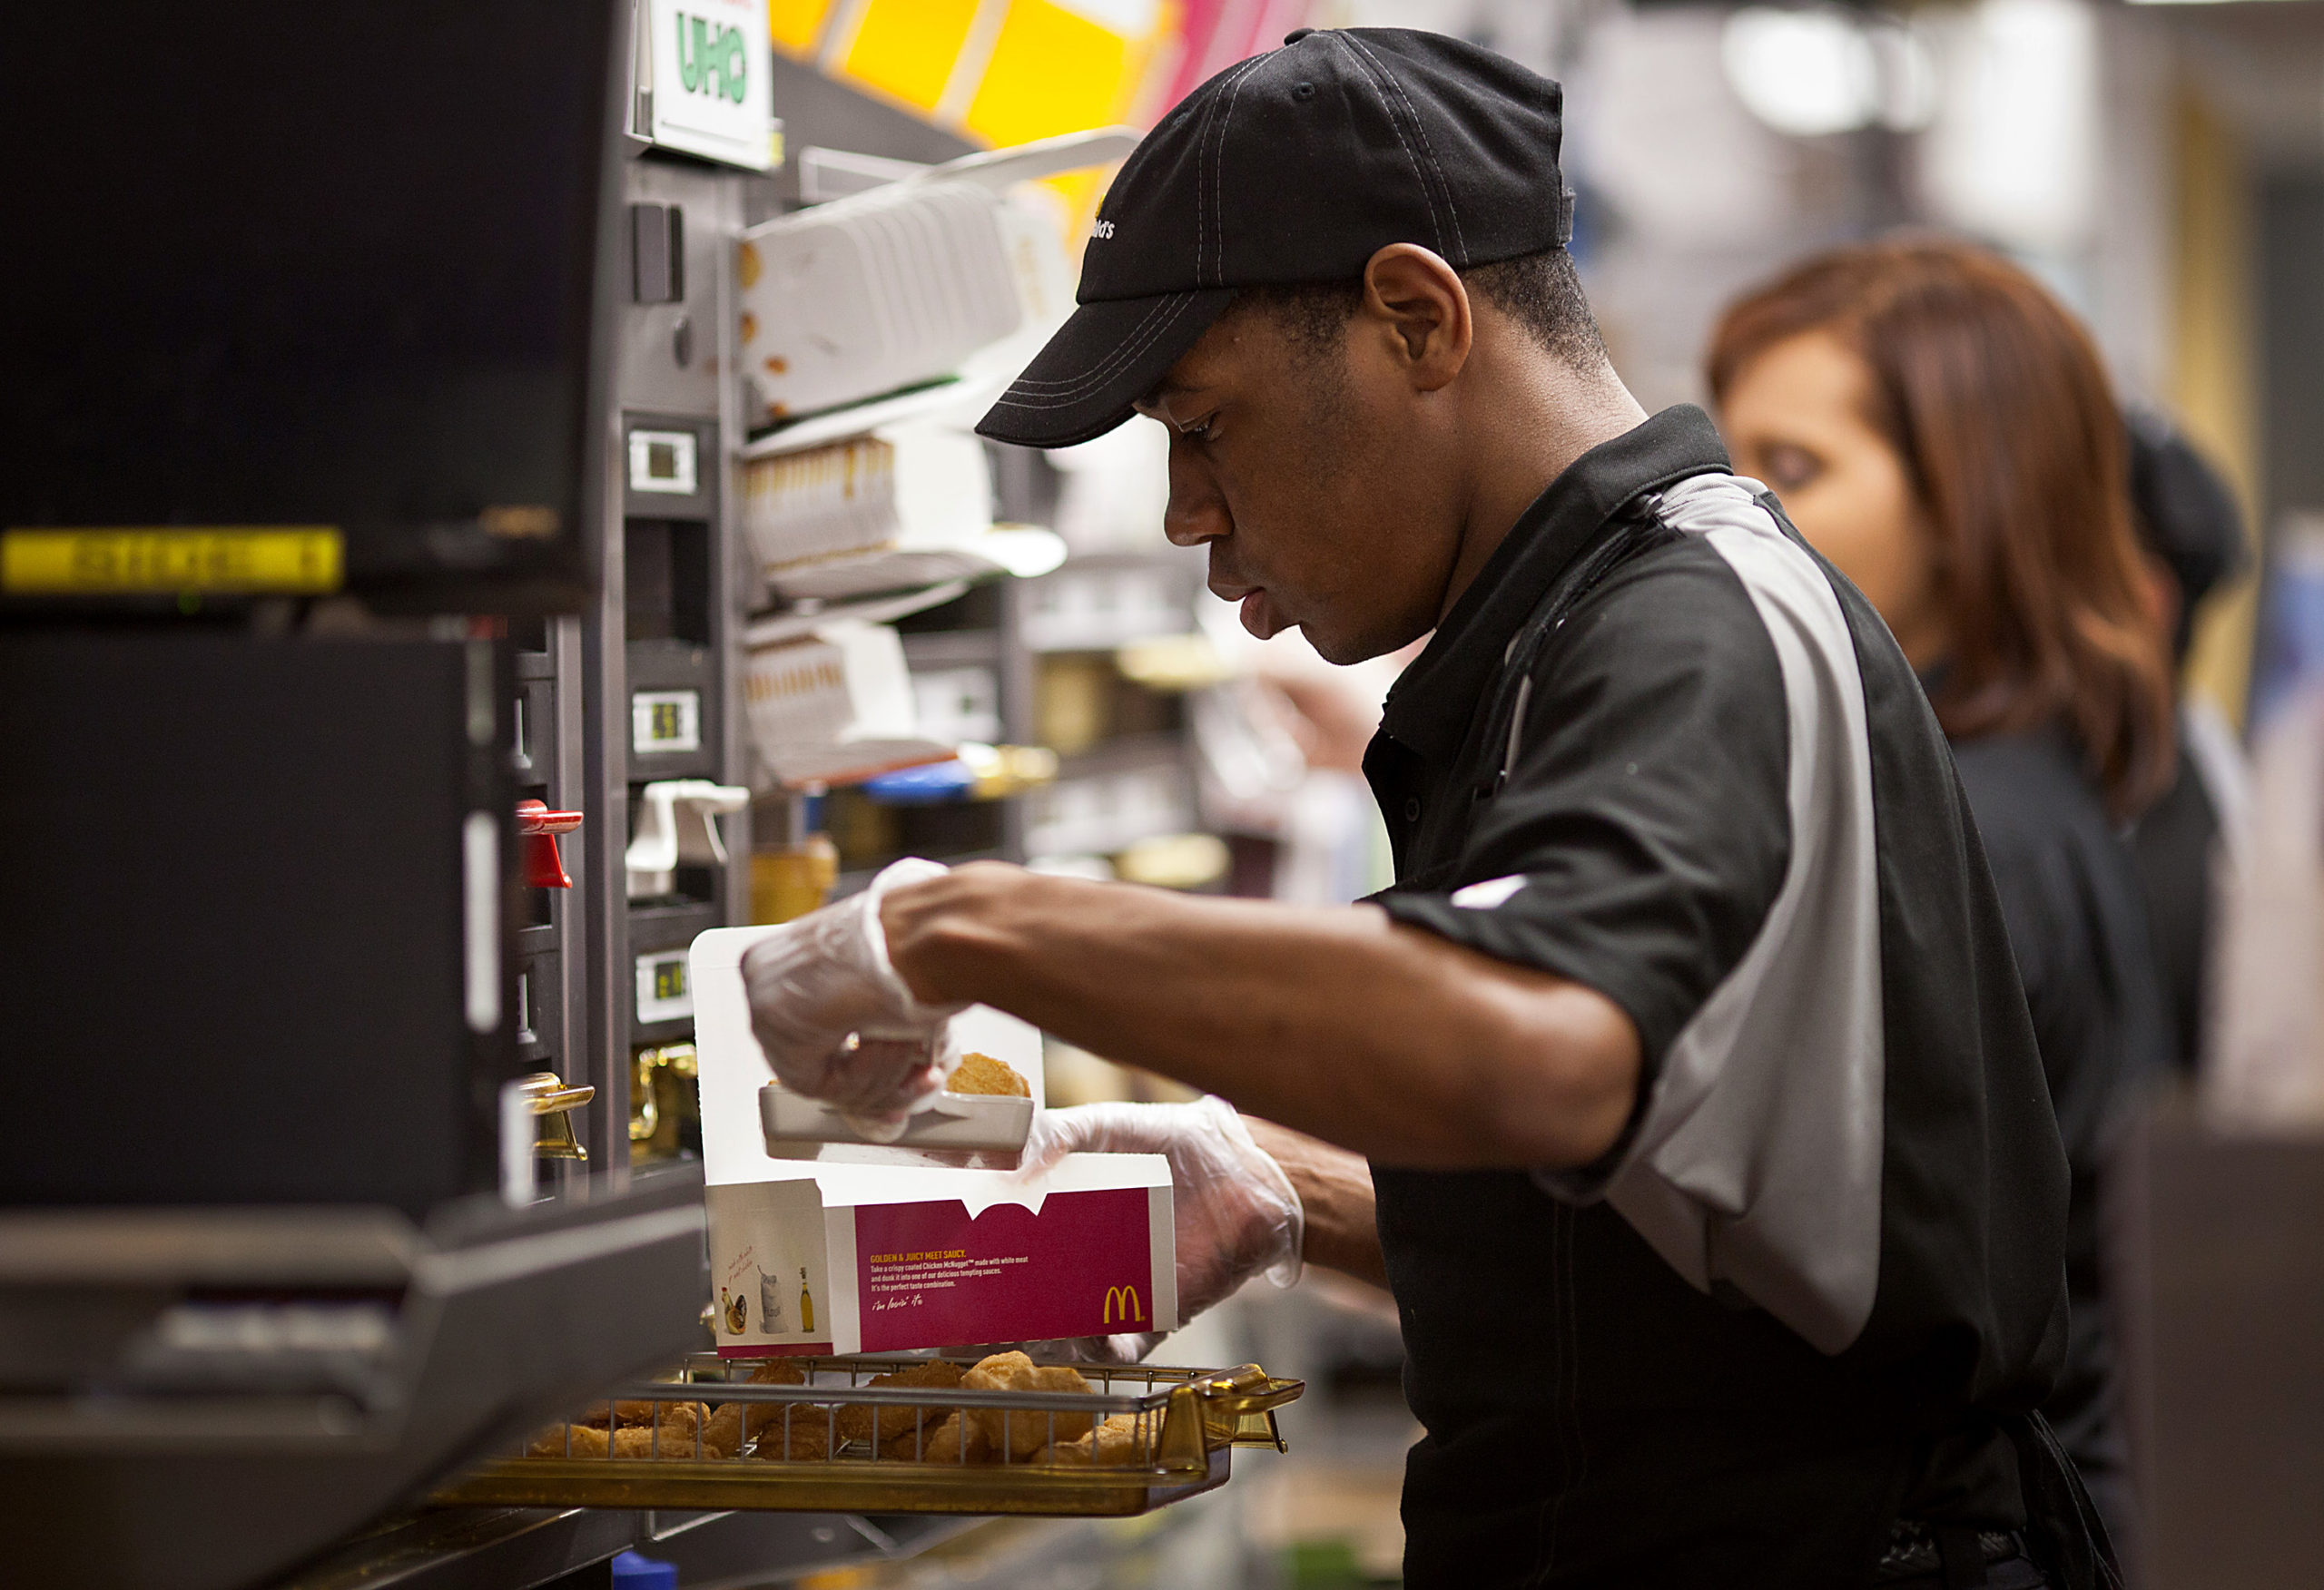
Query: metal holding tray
{"points": [[1185, 1423], [795, 1124]]}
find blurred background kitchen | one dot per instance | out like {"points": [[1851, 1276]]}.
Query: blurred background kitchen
{"points": [[1048, 682]]}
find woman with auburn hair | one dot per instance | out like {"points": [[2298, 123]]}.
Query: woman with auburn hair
{"points": [[1941, 429]]}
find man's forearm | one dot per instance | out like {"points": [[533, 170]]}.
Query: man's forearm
{"points": [[1387, 1041], [1334, 1188]]}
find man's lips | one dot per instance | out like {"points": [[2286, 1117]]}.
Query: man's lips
{"points": [[1261, 616]]}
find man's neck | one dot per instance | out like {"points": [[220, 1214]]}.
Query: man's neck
{"points": [[1538, 417]]}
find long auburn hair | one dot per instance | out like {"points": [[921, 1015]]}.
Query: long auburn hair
{"points": [[1994, 399]]}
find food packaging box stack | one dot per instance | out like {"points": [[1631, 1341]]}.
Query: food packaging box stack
{"points": [[901, 486], [842, 1247], [834, 517], [834, 705], [887, 289]]}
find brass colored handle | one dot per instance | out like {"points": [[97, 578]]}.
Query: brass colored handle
{"points": [[546, 1094]]}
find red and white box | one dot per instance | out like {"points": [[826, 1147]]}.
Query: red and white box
{"points": [[882, 1250]]}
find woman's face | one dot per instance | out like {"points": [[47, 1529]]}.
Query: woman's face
{"points": [[1794, 418]]}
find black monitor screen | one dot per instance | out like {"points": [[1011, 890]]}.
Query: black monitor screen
{"points": [[314, 264]]}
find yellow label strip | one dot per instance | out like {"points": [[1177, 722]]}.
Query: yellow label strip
{"points": [[300, 559]]}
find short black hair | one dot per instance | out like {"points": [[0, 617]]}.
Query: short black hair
{"points": [[1542, 292]]}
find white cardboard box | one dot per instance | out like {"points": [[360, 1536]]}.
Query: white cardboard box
{"points": [[867, 1250]]}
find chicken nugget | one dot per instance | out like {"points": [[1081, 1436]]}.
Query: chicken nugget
{"points": [[759, 1417], [721, 1434], [568, 1440], [1024, 1432], [809, 1438], [981, 1074], [1118, 1442], [991, 1372], [864, 1421], [778, 1373], [930, 1375], [955, 1440], [630, 1412], [662, 1440]]}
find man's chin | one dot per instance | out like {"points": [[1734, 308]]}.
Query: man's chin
{"points": [[1338, 649]]}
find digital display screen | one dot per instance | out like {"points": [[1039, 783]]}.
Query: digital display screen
{"points": [[314, 264], [663, 462], [666, 721], [663, 993]]}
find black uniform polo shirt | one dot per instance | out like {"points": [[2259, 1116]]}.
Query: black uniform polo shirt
{"points": [[1662, 749]]}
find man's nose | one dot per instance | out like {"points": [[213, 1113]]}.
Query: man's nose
{"points": [[1197, 513]]}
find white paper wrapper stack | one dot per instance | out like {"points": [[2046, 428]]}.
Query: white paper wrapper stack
{"points": [[889, 289], [833, 706]]}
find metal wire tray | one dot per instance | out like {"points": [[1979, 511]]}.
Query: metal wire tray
{"points": [[819, 1447]]}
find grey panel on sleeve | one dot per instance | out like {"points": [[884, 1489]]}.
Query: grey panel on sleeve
{"points": [[1757, 1160]]}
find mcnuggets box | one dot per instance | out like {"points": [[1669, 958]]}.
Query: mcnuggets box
{"points": [[880, 1250]]}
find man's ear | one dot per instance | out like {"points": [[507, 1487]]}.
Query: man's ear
{"points": [[1418, 303]]}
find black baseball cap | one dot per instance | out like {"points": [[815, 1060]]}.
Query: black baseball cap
{"points": [[1294, 166]]}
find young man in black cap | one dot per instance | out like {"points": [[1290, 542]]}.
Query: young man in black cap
{"points": [[1708, 1154]]}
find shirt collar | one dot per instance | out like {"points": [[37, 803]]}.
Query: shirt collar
{"points": [[1430, 707]]}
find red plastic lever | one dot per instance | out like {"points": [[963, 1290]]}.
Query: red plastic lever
{"points": [[538, 827]]}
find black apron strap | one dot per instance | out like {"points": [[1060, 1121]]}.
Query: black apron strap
{"points": [[1960, 1557], [2064, 1533], [1506, 715]]}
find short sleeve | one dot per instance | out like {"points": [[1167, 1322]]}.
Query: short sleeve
{"points": [[1643, 831]]}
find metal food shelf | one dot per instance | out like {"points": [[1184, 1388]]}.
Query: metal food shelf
{"points": [[835, 1443]]}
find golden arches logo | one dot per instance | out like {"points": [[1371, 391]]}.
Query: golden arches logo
{"points": [[1125, 1298]]}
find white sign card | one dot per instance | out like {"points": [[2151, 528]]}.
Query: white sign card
{"points": [[706, 66]]}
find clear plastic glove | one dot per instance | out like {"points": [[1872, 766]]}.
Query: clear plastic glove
{"points": [[834, 1019], [1236, 1212]]}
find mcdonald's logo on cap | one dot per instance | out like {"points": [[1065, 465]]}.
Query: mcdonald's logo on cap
{"points": [[1133, 1312]]}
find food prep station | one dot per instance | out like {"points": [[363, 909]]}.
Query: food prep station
{"points": [[291, 1276]]}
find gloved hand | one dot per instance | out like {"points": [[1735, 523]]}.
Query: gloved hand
{"points": [[835, 1020], [1236, 1212]]}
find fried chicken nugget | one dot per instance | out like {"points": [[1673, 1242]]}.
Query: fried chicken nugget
{"points": [[754, 1419], [808, 1439], [630, 1412], [862, 1421], [722, 1436], [671, 1439], [568, 1440], [956, 1440], [1023, 1434], [1117, 1442], [981, 1074]]}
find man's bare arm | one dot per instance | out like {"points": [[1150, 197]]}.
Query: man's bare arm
{"points": [[1334, 1188], [1339, 1023]]}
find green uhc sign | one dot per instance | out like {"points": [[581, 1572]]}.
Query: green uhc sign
{"points": [[702, 79], [711, 57]]}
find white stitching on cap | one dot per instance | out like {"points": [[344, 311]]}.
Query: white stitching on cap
{"points": [[1419, 175], [1067, 393], [1420, 130], [1112, 365], [1160, 307], [1228, 88], [1218, 250]]}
